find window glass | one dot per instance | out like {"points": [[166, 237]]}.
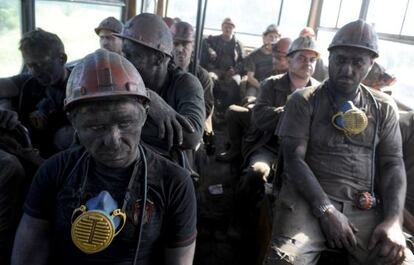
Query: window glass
{"points": [[350, 10], [186, 10], [324, 38], [10, 57], [329, 13], [398, 59], [73, 23], [387, 15], [148, 6], [138, 6], [408, 28], [294, 19], [249, 18]]}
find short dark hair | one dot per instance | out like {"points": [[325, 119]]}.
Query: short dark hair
{"points": [[39, 39]]}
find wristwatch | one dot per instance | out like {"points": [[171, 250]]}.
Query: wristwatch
{"points": [[322, 209]]}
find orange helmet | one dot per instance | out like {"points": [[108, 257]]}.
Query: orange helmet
{"points": [[104, 74]]}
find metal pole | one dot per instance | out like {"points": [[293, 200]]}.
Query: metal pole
{"points": [[364, 10], [280, 13], [28, 15], [197, 37], [405, 16]]}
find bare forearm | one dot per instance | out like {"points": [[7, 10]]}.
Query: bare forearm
{"points": [[294, 153], [253, 81], [180, 256], [31, 245], [306, 183], [392, 188]]}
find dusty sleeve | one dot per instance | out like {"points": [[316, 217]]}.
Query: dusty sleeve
{"points": [[181, 213], [207, 85], [296, 119], [42, 194], [390, 142], [190, 104], [265, 114]]}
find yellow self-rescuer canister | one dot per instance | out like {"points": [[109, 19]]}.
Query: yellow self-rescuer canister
{"points": [[97, 223], [350, 119]]}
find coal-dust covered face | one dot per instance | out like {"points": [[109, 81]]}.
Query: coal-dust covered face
{"points": [[182, 53], [46, 67], [110, 130], [348, 66], [144, 59]]}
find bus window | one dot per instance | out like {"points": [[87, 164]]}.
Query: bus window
{"points": [[395, 55], [251, 19], [10, 57], [408, 28], [387, 16], [336, 13], [398, 59], [74, 23], [186, 10], [148, 6], [294, 19]]}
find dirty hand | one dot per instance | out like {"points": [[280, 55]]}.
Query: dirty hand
{"points": [[338, 230], [8, 119], [389, 241], [170, 123], [212, 53]]}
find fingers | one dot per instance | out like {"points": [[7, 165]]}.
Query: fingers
{"points": [[387, 249], [170, 133], [161, 130], [185, 123], [392, 259], [338, 243], [351, 236], [373, 241], [331, 243], [400, 257], [392, 255], [353, 227], [178, 131], [9, 120]]}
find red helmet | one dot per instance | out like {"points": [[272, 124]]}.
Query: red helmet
{"points": [[149, 30], [182, 31], [104, 74]]}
